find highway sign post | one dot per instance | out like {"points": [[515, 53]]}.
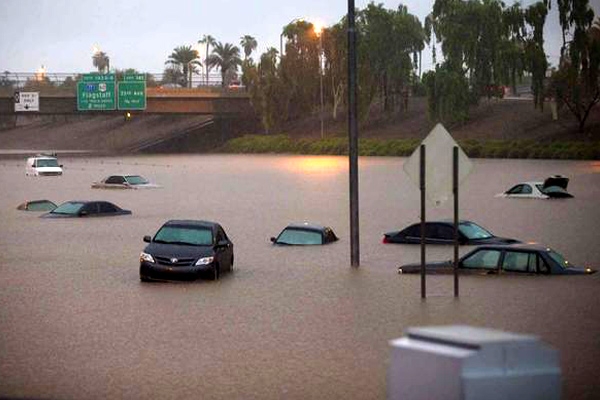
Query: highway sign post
{"points": [[96, 92], [132, 92], [438, 176]]}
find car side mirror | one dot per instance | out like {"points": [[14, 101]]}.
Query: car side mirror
{"points": [[147, 239], [222, 244], [61, 165], [273, 239]]}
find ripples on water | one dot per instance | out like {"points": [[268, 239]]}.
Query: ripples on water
{"points": [[291, 322]]}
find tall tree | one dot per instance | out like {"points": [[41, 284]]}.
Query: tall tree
{"points": [[186, 58], [226, 57], [207, 40], [249, 44], [576, 84], [101, 61]]}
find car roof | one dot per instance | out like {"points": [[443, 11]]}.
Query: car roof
{"points": [[446, 222], [529, 183], [307, 226], [515, 246], [191, 222]]}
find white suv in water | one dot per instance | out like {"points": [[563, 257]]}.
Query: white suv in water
{"points": [[43, 165]]}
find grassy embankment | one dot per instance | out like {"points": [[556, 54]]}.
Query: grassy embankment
{"points": [[572, 150]]}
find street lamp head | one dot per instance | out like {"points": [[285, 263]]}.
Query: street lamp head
{"points": [[318, 28]]}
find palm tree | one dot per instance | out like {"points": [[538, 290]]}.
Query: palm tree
{"points": [[226, 57], [186, 58], [101, 61], [249, 44], [209, 41]]}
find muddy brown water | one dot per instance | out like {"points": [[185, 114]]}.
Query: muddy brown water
{"points": [[293, 323]]}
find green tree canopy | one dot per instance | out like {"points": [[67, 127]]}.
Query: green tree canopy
{"points": [[249, 44], [186, 59], [226, 57]]}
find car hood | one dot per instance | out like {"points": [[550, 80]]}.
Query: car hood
{"points": [[56, 215], [577, 271], [177, 250], [146, 186], [556, 192], [556, 180], [438, 267]]}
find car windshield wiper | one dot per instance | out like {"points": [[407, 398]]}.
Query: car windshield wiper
{"points": [[185, 243]]}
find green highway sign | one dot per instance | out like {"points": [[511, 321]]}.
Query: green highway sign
{"points": [[132, 95], [94, 94]]}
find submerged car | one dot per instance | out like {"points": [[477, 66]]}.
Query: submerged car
{"points": [[554, 187], [505, 259], [76, 208], [124, 182], [442, 232], [43, 165], [305, 234], [37, 205], [186, 249]]}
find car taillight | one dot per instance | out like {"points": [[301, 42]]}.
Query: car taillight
{"points": [[385, 240]]}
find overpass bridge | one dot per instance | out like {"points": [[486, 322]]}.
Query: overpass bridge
{"points": [[175, 120], [158, 101]]}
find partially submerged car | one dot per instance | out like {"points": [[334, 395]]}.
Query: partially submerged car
{"points": [[43, 165], [504, 259], [554, 187], [126, 181], [76, 208], [442, 232], [186, 249], [37, 205], [305, 233]]}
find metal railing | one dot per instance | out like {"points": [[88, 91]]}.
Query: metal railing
{"points": [[66, 82]]}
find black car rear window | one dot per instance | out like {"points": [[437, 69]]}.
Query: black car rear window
{"points": [[300, 236]]}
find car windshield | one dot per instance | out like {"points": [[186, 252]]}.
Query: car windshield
{"points": [[474, 231], [186, 235], [42, 205], [69, 207], [560, 260], [47, 162], [299, 236], [136, 180]]}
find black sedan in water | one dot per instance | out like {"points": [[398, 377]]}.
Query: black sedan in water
{"points": [[305, 234], [72, 209], [442, 232], [505, 259], [186, 249]]}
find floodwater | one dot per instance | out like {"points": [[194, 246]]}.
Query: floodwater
{"points": [[290, 323]]}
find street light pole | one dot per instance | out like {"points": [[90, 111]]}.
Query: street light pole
{"points": [[321, 77], [353, 136]]}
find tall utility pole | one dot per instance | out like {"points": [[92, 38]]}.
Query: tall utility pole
{"points": [[353, 136], [321, 77]]}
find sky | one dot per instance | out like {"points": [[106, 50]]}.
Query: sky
{"points": [[141, 34]]}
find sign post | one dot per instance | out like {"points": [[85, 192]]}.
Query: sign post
{"points": [[437, 181]]}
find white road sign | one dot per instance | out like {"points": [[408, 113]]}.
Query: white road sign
{"points": [[438, 165], [27, 101]]}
